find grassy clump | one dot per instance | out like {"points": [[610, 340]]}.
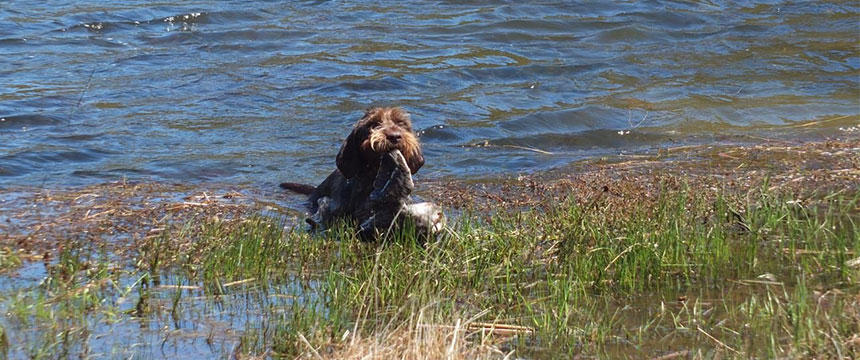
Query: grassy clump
{"points": [[685, 275], [9, 260], [573, 275]]}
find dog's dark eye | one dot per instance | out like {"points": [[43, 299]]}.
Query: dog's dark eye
{"points": [[375, 126]]}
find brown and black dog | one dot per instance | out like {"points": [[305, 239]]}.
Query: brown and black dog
{"points": [[346, 192]]}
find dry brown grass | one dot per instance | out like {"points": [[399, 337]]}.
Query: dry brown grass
{"points": [[421, 338]]}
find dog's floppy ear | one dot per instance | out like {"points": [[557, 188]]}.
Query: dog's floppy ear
{"points": [[349, 160]]}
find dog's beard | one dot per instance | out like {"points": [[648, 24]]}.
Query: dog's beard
{"points": [[408, 144], [379, 143]]}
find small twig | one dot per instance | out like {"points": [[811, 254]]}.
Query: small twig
{"points": [[676, 354], [501, 326], [487, 144], [641, 121], [528, 148], [813, 123], [454, 340], [81, 97], [308, 344], [84, 195], [620, 255], [717, 341], [189, 203], [761, 282], [234, 283], [88, 216], [477, 316], [178, 287], [501, 329]]}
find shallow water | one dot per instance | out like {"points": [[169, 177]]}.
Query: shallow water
{"points": [[260, 92]]}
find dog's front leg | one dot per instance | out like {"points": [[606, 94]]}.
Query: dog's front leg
{"points": [[327, 208]]}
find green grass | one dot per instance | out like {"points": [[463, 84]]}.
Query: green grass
{"points": [[701, 275], [8, 260]]}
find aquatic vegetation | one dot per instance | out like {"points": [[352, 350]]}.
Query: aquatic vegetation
{"points": [[639, 259], [8, 259], [761, 275]]}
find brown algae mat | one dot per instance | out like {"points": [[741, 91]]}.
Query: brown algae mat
{"points": [[805, 169]]}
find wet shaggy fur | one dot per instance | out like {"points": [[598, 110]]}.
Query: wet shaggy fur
{"points": [[345, 193]]}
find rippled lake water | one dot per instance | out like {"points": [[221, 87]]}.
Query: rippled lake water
{"points": [[260, 92]]}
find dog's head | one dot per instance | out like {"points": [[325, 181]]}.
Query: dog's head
{"points": [[379, 131]]}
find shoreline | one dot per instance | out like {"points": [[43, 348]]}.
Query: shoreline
{"points": [[32, 215], [807, 168]]}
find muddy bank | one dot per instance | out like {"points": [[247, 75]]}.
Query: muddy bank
{"points": [[804, 169], [113, 217]]}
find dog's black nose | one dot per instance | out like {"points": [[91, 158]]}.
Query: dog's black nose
{"points": [[393, 137]]}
